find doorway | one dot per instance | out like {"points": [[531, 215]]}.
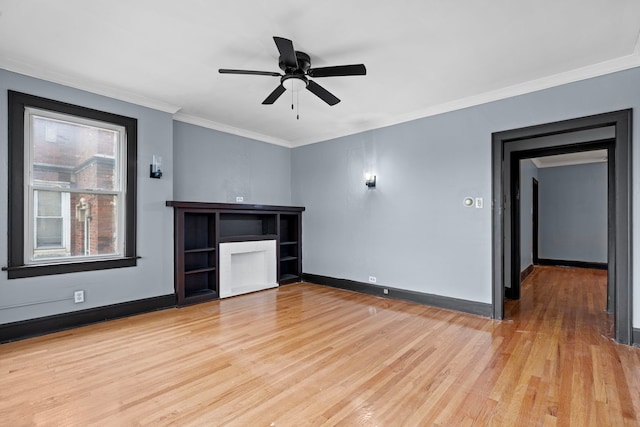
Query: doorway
{"points": [[586, 144], [534, 221], [558, 138]]}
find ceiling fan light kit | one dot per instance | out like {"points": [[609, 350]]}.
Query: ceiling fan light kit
{"points": [[296, 66], [294, 83]]}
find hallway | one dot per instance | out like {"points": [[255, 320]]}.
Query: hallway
{"points": [[566, 342], [575, 296]]}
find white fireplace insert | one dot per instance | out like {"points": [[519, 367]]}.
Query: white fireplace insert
{"points": [[247, 267]]}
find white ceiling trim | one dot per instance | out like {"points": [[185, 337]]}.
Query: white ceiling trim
{"points": [[569, 159], [595, 70], [198, 121], [88, 86], [541, 165], [614, 65]]}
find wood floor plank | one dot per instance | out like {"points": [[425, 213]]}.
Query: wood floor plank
{"points": [[308, 355]]}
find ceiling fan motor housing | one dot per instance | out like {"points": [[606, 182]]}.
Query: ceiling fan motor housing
{"points": [[304, 63]]}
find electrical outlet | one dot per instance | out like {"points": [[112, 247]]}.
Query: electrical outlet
{"points": [[78, 297], [372, 279], [239, 199], [385, 291]]}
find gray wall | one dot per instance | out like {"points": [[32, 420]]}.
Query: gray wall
{"points": [[413, 232], [528, 171], [573, 212], [41, 296], [212, 166]]}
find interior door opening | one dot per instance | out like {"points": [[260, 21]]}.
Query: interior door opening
{"points": [[535, 210], [576, 233], [610, 131]]}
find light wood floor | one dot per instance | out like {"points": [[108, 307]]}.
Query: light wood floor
{"points": [[310, 355]]}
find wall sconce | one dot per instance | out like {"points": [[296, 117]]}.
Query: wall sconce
{"points": [[370, 181], [155, 167]]}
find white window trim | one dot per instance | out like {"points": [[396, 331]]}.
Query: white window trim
{"points": [[30, 185]]}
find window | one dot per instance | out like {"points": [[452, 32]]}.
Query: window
{"points": [[72, 175], [74, 187]]}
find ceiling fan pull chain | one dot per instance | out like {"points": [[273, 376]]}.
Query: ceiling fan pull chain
{"points": [[298, 102]]}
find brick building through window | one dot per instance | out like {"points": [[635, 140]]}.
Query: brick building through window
{"points": [[74, 177]]}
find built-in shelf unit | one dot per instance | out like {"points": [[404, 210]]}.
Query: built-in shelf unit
{"points": [[199, 228]]}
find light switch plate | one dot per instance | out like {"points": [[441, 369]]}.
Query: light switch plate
{"points": [[78, 296]]}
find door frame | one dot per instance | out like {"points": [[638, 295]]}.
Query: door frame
{"points": [[535, 217], [511, 145], [512, 287]]}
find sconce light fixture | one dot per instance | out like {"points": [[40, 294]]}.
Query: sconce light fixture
{"points": [[370, 181], [156, 167]]}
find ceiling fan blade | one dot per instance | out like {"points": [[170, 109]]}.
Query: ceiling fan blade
{"points": [[256, 73], [339, 70], [322, 93], [287, 53], [274, 95]]}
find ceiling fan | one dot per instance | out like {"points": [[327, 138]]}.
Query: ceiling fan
{"points": [[297, 68]]}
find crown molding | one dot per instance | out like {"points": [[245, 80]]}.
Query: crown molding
{"points": [[584, 73], [16, 66], [536, 162], [210, 124], [595, 70], [541, 165]]}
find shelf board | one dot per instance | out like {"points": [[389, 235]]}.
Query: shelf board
{"points": [[203, 269], [288, 258], [233, 207], [203, 291], [288, 243], [200, 295], [247, 238], [193, 251]]}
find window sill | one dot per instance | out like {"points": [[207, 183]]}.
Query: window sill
{"points": [[64, 268]]}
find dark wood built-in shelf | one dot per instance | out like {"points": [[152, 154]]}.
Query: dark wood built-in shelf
{"points": [[199, 270], [193, 251], [248, 237], [200, 227]]}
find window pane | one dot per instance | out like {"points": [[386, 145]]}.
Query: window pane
{"points": [[79, 156], [49, 203], [91, 227], [48, 232], [94, 224]]}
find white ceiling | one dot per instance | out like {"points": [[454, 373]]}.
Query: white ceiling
{"points": [[423, 57]]}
